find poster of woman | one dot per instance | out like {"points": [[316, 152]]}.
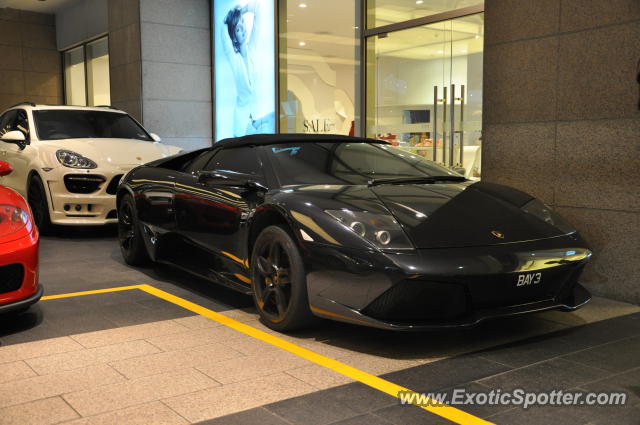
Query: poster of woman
{"points": [[244, 66]]}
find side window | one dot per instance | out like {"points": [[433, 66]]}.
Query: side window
{"points": [[237, 160], [21, 123], [198, 163], [6, 122]]}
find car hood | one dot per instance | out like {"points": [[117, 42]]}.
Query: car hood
{"points": [[442, 215], [115, 152]]}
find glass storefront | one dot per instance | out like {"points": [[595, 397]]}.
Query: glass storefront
{"points": [[319, 65], [407, 71], [425, 90], [86, 74]]}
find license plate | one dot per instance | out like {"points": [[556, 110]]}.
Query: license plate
{"points": [[529, 279]]}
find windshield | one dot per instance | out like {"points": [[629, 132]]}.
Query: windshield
{"points": [[347, 163], [57, 124]]}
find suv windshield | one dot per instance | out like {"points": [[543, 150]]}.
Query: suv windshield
{"points": [[347, 163], [57, 124]]}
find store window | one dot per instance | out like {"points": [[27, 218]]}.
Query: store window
{"points": [[319, 66], [386, 12], [86, 74], [424, 89]]}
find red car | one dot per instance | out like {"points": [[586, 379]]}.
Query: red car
{"points": [[19, 240]]}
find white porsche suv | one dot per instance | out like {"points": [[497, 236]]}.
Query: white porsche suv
{"points": [[68, 160]]}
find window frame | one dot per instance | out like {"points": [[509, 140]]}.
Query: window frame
{"points": [[84, 45]]}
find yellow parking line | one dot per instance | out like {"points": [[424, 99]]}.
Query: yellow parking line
{"points": [[97, 291], [451, 413]]}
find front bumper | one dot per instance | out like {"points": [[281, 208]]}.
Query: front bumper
{"points": [[19, 289], [23, 303], [73, 209], [445, 288]]}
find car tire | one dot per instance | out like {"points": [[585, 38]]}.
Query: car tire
{"points": [[131, 243], [279, 281], [37, 199]]}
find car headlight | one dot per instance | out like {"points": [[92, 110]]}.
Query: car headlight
{"points": [[546, 214], [12, 219], [381, 230], [74, 160]]}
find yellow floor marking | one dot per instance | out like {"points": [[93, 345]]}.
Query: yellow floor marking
{"points": [[451, 413], [97, 291]]}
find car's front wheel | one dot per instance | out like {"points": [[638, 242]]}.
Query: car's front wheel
{"points": [[131, 243], [279, 281], [37, 199]]}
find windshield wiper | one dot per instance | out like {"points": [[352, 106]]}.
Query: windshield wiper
{"points": [[417, 180]]}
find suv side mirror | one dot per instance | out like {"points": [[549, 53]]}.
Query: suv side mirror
{"points": [[16, 137], [155, 137]]}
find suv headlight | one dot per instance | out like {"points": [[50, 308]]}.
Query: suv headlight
{"points": [[546, 214], [74, 160], [379, 229]]}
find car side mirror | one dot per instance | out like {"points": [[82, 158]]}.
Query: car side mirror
{"points": [[16, 137], [155, 137]]}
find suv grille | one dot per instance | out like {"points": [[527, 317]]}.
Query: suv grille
{"points": [[11, 278], [83, 183]]}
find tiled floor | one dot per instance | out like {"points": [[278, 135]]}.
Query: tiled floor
{"points": [[128, 357]]}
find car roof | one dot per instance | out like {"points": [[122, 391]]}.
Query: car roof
{"points": [[272, 139], [40, 107]]}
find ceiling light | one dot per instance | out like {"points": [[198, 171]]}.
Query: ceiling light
{"points": [[419, 1], [440, 52], [303, 5], [302, 43], [477, 35]]}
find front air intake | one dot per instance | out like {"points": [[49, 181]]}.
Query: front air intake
{"points": [[83, 183]]}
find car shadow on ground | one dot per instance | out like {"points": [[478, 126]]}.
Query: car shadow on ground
{"points": [[336, 337]]}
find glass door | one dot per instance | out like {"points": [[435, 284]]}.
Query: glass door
{"points": [[425, 91]]}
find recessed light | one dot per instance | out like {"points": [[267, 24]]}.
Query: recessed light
{"points": [[477, 36], [303, 5], [302, 43], [440, 52], [419, 1]]}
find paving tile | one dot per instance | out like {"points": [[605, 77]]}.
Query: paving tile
{"points": [[555, 374], [25, 390], [580, 415], [251, 367], [128, 333], [143, 390], [91, 356], [257, 416], [627, 382], [215, 402], [197, 322], [318, 376], [39, 412], [174, 360], [313, 409], [154, 413], [378, 365], [406, 414], [358, 397], [28, 350], [14, 371], [598, 309], [445, 374], [248, 345], [617, 356], [193, 338], [368, 419]]}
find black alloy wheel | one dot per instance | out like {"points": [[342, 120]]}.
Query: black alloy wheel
{"points": [[131, 243], [37, 199], [279, 281]]}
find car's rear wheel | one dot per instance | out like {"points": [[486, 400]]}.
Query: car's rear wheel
{"points": [[279, 281], [37, 199], [131, 243]]}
